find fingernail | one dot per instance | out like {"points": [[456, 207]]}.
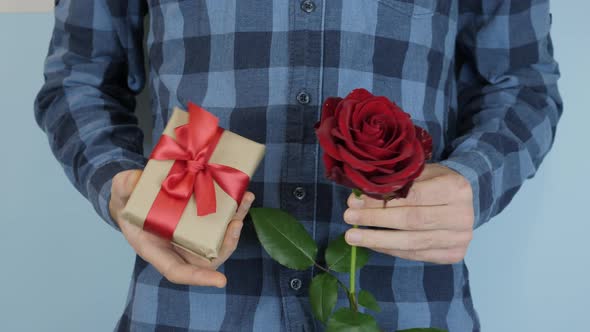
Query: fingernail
{"points": [[237, 231], [353, 237], [351, 216], [357, 203]]}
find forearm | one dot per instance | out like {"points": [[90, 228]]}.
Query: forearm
{"points": [[508, 105], [86, 106]]}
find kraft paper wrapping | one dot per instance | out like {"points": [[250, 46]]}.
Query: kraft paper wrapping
{"points": [[200, 235], [26, 6]]}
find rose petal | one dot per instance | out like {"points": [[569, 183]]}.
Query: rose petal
{"points": [[359, 94], [355, 163], [365, 109], [387, 104], [367, 138], [367, 166], [393, 120], [337, 175], [371, 120], [329, 107], [371, 129], [377, 153], [358, 113], [412, 169], [425, 140], [370, 108], [390, 163], [330, 163], [394, 144], [361, 165], [351, 146], [403, 192], [343, 116], [326, 140], [406, 129], [368, 186]]}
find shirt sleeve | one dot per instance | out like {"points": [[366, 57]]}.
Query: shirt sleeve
{"points": [[93, 71], [508, 101]]}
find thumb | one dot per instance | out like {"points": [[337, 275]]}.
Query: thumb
{"points": [[132, 177], [124, 183]]}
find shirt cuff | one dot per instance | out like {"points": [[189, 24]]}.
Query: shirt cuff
{"points": [[101, 186], [476, 168]]}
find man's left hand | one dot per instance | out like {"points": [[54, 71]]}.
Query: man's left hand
{"points": [[434, 223]]}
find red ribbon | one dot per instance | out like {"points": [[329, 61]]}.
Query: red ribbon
{"points": [[191, 173]]}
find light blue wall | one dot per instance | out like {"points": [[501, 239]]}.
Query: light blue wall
{"points": [[530, 266], [62, 269]]}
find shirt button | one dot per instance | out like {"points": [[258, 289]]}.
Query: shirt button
{"points": [[303, 98], [308, 6], [296, 284], [299, 193]]}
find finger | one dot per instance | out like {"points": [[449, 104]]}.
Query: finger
{"points": [[438, 256], [132, 179], [407, 240], [192, 258], [131, 231], [432, 170], [244, 207], [230, 242], [232, 235], [176, 270], [436, 191], [121, 188], [413, 218], [124, 183], [229, 245], [187, 274]]}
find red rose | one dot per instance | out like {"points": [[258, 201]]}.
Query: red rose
{"points": [[371, 144]]}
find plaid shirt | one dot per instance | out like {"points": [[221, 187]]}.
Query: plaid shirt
{"points": [[479, 75]]}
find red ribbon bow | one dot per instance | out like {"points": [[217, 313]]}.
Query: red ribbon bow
{"points": [[192, 173]]}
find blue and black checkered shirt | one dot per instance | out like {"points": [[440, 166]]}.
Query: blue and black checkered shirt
{"points": [[479, 75]]}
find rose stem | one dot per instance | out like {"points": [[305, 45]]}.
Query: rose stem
{"points": [[353, 273], [350, 300], [357, 193]]}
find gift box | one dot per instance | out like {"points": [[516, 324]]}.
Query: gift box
{"points": [[193, 182]]}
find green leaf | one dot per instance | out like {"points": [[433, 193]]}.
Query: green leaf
{"points": [[367, 300], [347, 320], [323, 293], [428, 329], [357, 192], [338, 255], [284, 238]]}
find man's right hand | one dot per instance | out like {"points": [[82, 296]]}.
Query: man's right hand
{"points": [[177, 265]]}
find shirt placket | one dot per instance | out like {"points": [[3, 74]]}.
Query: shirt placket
{"points": [[298, 187]]}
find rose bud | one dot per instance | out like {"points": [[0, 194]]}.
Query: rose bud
{"points": [[371, 144]]}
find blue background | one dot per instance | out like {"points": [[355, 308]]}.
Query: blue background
{"points": [[62, 269]]}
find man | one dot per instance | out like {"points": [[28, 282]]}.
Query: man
{"points": [[478, 75]]}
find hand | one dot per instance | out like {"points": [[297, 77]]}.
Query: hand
{"points": [[177, 265], [434, 223]]}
